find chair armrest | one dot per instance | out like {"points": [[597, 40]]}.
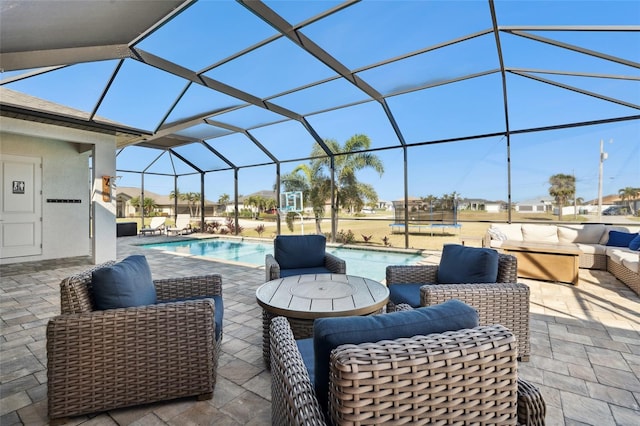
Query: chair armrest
{"points": [[272, 268], [188, 287], [531, 406], [402, 274], [293, 399], [499, 303], [443, 378], [335, 264], [403, 307], [106, 359]]}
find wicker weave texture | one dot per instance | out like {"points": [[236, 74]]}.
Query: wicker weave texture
{"points": [[100, 360], [592, 261], [331, 262], [461, 377], [293, 400], [506, 304], [626, 275], [531, 407]]}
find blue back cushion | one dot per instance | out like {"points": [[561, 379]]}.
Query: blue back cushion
{"points": [[408, 293], [635, 243], [123, 285], [299, 251], [329, 333], [467, 265], [620, 239], [303, 271]]}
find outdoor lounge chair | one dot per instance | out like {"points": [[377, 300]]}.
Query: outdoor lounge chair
{"points": [[499, 301], [156, 225], [466, 376], [98, 360], [182, 226], [301, 254]]}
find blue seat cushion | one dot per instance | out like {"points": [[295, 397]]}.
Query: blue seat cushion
{"points": [[620, 239], [635, 243], [218, 314], [305, 346], [329, 333], [405, 293], [125, 284], [303, 271], [467, 265], [299, 251]]}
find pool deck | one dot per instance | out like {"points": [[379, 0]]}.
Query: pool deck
{"points": [[585, 346]]}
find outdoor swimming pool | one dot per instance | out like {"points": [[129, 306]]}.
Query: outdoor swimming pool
{"points": [[365, 263]]}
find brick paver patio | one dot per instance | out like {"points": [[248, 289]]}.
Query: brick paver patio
{"points": [[585, 347]]}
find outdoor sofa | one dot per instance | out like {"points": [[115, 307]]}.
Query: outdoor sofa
{"points": [[605, 247]]}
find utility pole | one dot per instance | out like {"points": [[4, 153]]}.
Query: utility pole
{"points": [[603, 156]]}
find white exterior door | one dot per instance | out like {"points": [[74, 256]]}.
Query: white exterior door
{"points": [[21, 209]]}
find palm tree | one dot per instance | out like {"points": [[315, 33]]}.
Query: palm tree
{"points": [[562, 189], [315, 188], [629, 193], [315, 182], [148, 205], [224, 200], [349, 192]]}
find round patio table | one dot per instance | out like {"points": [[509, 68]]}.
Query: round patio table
{"points": [[303, 298]]}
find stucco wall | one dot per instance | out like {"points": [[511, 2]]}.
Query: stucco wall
{"points": [[65, 175]]}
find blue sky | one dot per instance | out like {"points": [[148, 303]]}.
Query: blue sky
{"points": [[359, 36]]}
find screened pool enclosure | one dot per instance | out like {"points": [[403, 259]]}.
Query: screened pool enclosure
{"points": [[482, 99]]}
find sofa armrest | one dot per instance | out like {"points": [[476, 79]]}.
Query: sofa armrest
{"points": [[335, 264], [188, 287], [402, 274], [499, 303], [293, 399], [101, 360], [272, 268]]}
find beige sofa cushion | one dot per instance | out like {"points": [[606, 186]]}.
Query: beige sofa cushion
{"points": [[592, 248], [513, 231], [540, 233], [632, 264], [585, 234]]}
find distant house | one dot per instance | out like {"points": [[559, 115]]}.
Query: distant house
{"points": [[480, 204], [535, 205], [164, 205]]}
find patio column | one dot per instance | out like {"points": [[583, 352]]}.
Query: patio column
{"points": [[103, 202]]}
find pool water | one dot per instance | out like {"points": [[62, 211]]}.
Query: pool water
{"points": [[365, 263]]}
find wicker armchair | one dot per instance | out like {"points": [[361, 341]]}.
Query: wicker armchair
{"points": [[101, 360], [505, 302], [462, 377], [294, 244]]}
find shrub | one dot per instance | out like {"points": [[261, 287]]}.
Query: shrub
{"points": [[346, 237], [231, 226], [259, 229]]}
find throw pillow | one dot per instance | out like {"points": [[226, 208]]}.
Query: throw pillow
{"points": [[620, 239], [497, 234], [635, 243], [123, 285], [299, 251], [329, 333], [467, 265]]}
